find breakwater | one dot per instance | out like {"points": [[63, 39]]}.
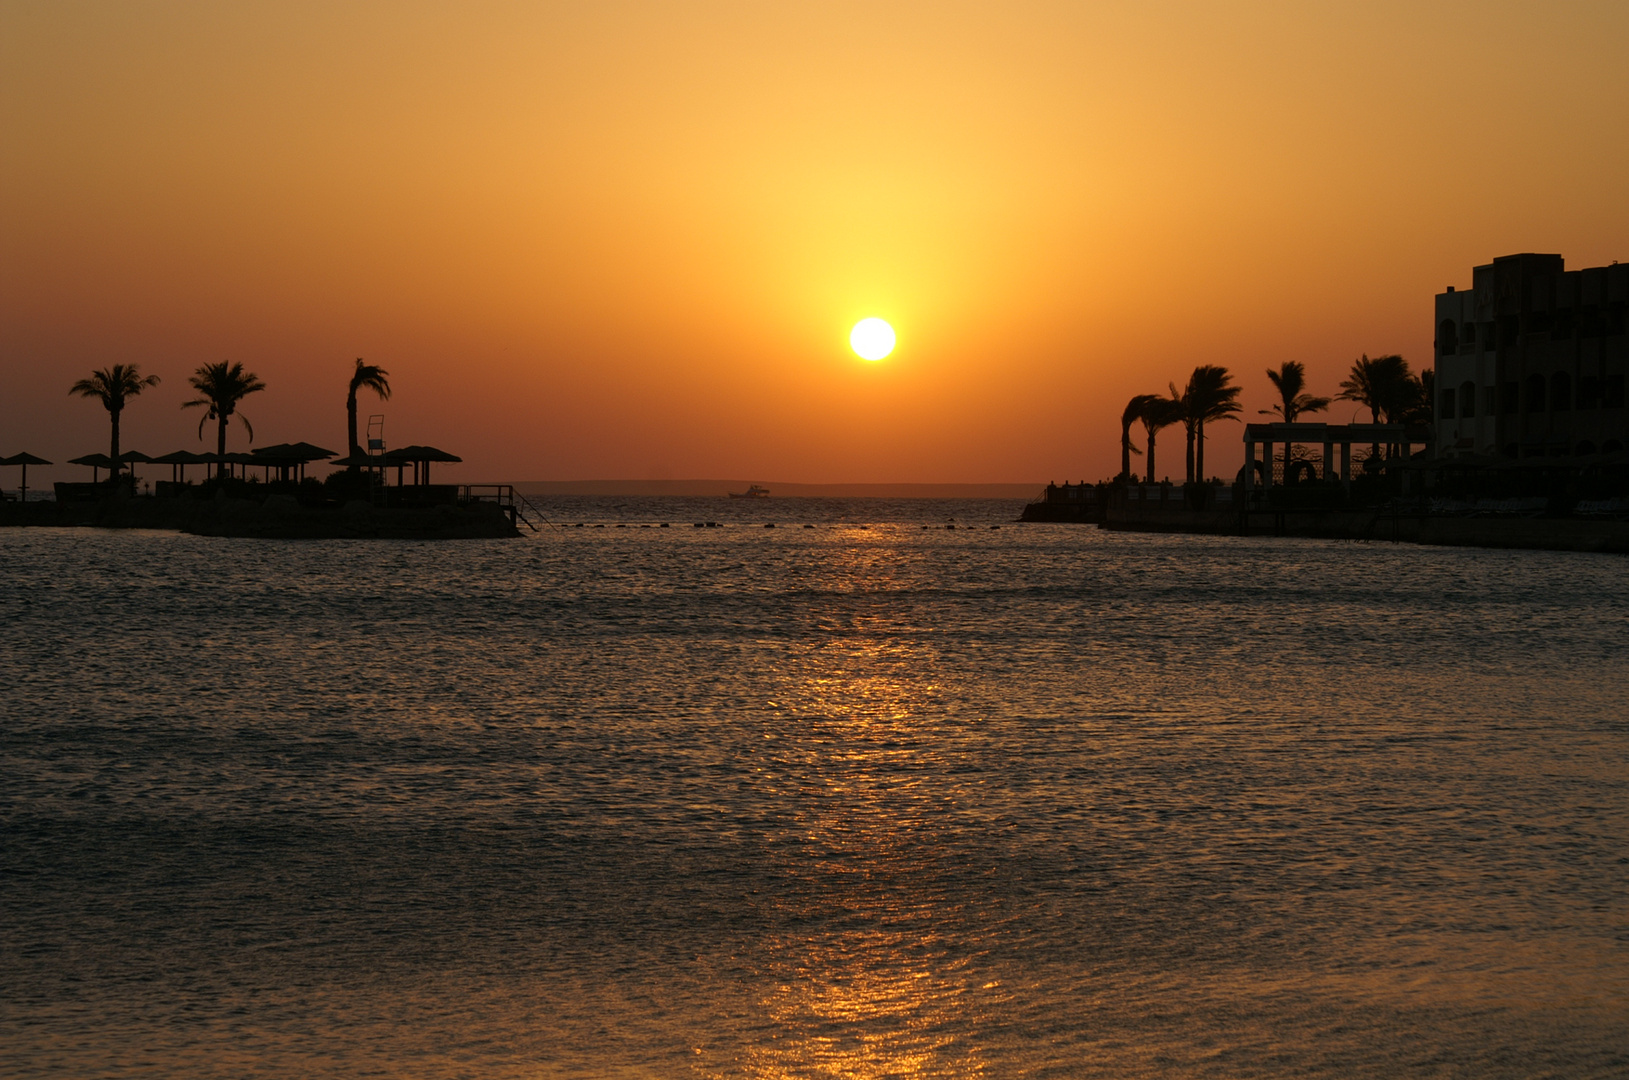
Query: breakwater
{"points": [[276, 516], [1405, 524]]}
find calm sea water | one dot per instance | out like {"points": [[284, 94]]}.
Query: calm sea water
{"points": [[867, 799]]}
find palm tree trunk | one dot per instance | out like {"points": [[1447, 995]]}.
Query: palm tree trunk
{"points": [[220, 446], [1199, 451], [1188, 430], [350, 420], [1125, 451], [1286, 463], [114, 452], [1151, 479]]}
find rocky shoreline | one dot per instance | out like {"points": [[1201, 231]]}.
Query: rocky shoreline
{"points": [[1533, 533], [277, 517]]}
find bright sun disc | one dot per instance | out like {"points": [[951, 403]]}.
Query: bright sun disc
{"points": [[871, 339]]}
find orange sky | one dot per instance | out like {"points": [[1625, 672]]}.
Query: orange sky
{"points": [[628, 239]]}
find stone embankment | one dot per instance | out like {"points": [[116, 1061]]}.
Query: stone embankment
{"points": [[1538, 533], [276, 517]]}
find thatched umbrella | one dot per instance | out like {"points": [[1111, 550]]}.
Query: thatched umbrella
{"points": [[133, 457], [95, 461], [285, 456], [178, 461], [25, 460], [419, 457]]}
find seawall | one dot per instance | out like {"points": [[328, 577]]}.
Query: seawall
{"points": [[276, 517], [1543, 534]]}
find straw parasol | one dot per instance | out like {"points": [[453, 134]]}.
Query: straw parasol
{"points": [[95, 461], [284, 456], [178, 460], [419, 457], [25, 460]]}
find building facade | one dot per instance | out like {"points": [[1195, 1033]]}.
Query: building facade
{"points": [[1531, 360]]}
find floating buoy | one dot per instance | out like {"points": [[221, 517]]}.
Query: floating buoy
{"points": [[769, 524]]}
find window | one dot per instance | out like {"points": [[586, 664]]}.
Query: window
{"points": [[1490, 399], [1535, 394], [1467, 399], [1589, 321], [1510, 326], [1585, 447], [1561, 392], [1509, 395], [1612, 391], [1447, 338], [1467, 333], [1447, 412], [1561, 328], [1589, 392]]}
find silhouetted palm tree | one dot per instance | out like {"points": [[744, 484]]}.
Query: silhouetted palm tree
{"points": [[365, 377], [114, 386], [1290, 380], [221, 386], [1381, 385], [1423, 392], [1179, 401], [1128, 416], [1384, 385], [1158, 413], [1207, 398]]}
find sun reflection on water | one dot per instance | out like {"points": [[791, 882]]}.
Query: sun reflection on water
{"points": [[861, 981]]}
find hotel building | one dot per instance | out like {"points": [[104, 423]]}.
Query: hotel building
{"points": [[1531, 360]]}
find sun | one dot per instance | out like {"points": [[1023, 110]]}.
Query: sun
{"points": [[871, 339]]}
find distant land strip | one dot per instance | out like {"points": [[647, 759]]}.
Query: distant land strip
{"points": [[780, 490]]}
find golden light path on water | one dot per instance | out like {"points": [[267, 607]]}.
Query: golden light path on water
{"points": [[869, 799], [876, 994]]}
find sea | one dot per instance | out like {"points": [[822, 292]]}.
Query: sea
{"points": [[810, 788]]}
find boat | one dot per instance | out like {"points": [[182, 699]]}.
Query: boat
{"points": [[753, 492]]}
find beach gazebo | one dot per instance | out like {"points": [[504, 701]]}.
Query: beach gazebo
{"points": [[25, 460], [290, 456], [134, 457], [94, 461], [178, 461], [420, 458]]}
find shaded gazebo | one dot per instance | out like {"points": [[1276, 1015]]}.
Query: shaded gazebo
{"points": [[25, 460], [178, 460], [287, 457], [133, 457], [420, 458], [94, 461]]}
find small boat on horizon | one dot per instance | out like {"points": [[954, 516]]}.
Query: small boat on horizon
{"points": [[753, 492]]}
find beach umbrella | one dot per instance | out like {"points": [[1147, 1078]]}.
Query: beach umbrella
{"points": [[133, 457], [95, 461], [25, 460], [178, 460], [419, 457]]}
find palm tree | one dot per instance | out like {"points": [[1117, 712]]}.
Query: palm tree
{"points": [[1179, 407], [1207, 398], [1159, 412], [1130, 415], [365, 377], [1384, 385], [220, 387], [1381, 385], [115, 386], [1290, 380]]}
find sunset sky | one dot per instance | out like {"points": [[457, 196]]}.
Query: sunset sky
{"points": [[618, 239]]}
